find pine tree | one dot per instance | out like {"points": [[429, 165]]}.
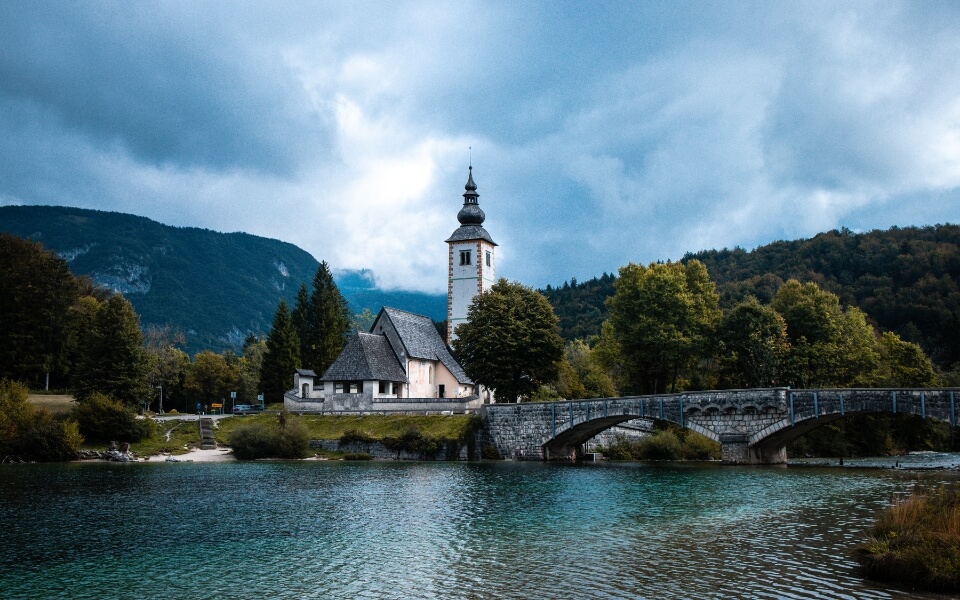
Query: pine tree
{"points": [[299, 316], [115, 362], [281, 358], [327, 322], [38, 291]]}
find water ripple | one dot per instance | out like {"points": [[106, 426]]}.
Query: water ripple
{"points": [[437, 531]]}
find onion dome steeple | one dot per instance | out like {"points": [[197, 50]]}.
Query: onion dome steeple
{"points": [[470, 214], [471, 217]]}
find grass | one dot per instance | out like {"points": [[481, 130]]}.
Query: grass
{"points": [[375, 427], [57, 404], [182, 433], [916, 542]]}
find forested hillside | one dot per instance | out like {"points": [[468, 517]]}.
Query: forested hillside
{"points": [[216, 287], [907, 280]]}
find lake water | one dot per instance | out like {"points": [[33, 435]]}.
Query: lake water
{"points": [[439, 530]]}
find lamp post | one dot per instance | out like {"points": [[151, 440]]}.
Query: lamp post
{"points": [[160, 387]]}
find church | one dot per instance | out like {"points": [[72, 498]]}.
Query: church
{"points": [[403, 363]]}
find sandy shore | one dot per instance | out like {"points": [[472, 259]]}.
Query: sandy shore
{"points": [[197, 455]]}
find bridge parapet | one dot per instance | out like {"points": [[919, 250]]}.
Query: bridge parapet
{"points": [[753, 426]]}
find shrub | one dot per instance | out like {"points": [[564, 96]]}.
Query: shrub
{"points": [[490, 452], [46, 439], [31, 433], [916, 542], [620, 449], [414, 442], [258, 440], [253, 441], [357, 456], [104, 419], [293, 440], [700, 447], [662, 445], [351, 436]]}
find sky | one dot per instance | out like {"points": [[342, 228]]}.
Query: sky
{"points": [[600, 133]]}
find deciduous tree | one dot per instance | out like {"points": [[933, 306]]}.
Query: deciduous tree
{"points": [[115, 362], [662, 317], [510, 342], [752, 345]]}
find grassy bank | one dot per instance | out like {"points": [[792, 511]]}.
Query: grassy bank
{"points": [[57, 404], [374, 427], [916, 542], [183, 435]]}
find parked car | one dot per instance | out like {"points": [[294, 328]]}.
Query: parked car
{"points": [[247, 409]]}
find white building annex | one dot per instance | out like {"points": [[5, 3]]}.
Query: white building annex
{"points": [[401, 364]]}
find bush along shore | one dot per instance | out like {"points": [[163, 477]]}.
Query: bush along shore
{"points": [[668, 442], [916, 542]]}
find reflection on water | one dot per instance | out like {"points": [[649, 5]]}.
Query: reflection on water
{"points": [[447, 530]]}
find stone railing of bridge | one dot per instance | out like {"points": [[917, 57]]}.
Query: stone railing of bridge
{"points": [[752, 426]]}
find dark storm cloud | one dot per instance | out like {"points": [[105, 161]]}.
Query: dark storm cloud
{"points": [[168, 87]]}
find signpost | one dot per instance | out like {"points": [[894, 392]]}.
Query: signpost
{"points": [[233, 401]]}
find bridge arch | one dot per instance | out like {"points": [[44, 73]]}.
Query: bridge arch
{"points": [[752, 426]]}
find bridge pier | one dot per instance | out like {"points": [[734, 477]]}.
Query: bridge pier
{"points": [[734, 450]]}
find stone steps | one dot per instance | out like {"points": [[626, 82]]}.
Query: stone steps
{"points": [[207, 441]]}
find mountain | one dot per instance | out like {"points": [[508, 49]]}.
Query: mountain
{"points": [[217, 287]]}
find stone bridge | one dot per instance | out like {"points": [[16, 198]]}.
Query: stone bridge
{"points": [[752, 426]]}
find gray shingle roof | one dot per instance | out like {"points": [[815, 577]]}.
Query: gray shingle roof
{"points": [[306, 373], [366, 357], [421, 340], [470, 232]]}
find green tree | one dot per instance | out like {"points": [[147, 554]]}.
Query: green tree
{"points": [[299, 316], [38, 291], [327, 322], [752, 345], [363, 321], [248, 372], [115, 362], [903, 364], [594, 379], [168, 366], [662, 317], [210, 378], [30, 433], [829, 347], [510, 342], [281, 357]]}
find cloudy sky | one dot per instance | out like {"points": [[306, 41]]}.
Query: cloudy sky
{"points": [[601, 132]]}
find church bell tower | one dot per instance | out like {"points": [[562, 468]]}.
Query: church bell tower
{"points": [[470, 259]]}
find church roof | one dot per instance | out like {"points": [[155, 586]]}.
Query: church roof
{"points": [[470, 232], [306, 373], [366, 357], [421, 340]]}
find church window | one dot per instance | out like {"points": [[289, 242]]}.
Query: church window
{"points": [[383, 387], [338, 387], [488, 258], [464, 257]]}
